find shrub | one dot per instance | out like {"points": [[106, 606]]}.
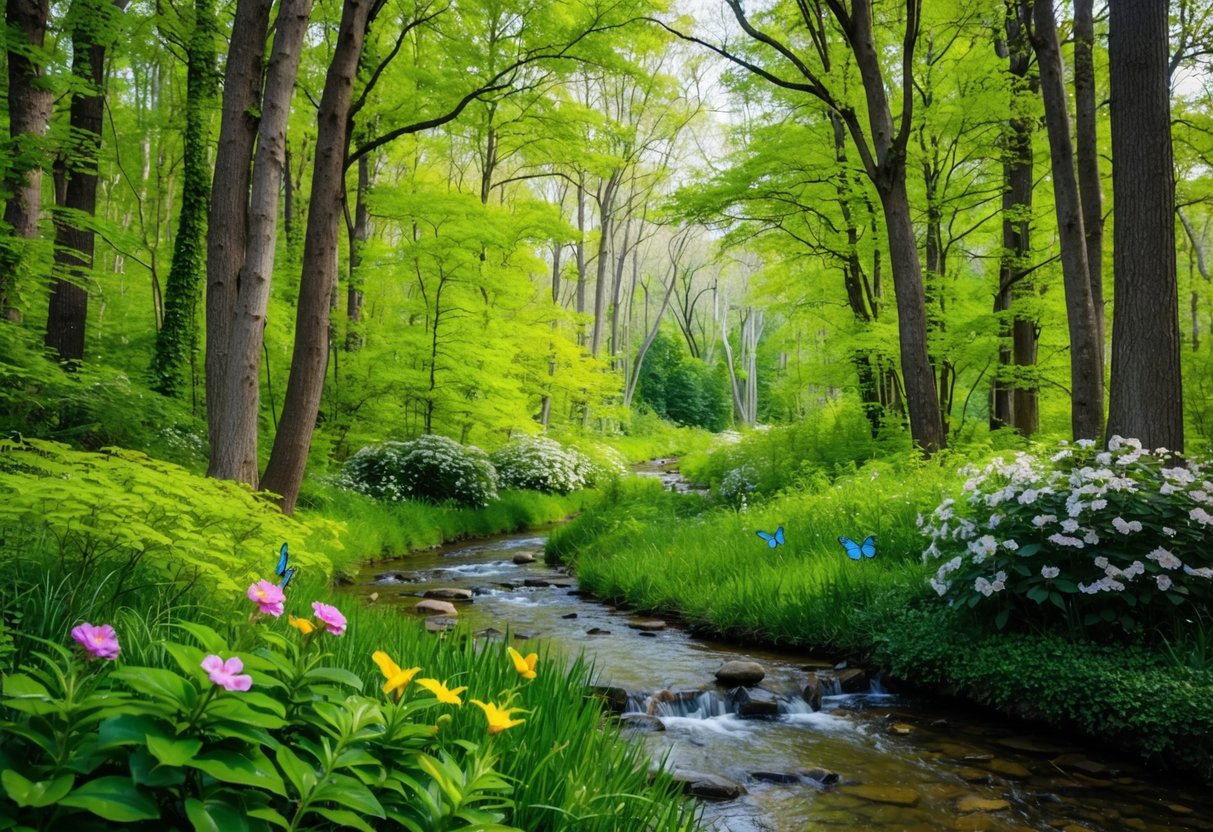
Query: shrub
{"points": [[1090, 536], [430, 467], [541, 464], [737, 484]]}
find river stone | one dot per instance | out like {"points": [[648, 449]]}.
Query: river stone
{"points": [[434, 607], [524, 557], [981, 804], [783, 777], [740, 673], [538, 583], [642, 722], [1008, 769], [900, 728], [819, 776], [615, 699], [570, 615], [755, 702], [1085, 765], [562, 584], [439, 624], [489, 632], [448, 593], [597, 631], [812, 692], [1032, 745], [892, 795], [708, 786], [385, 578], [648, 624], [853, 680], [973, 775]]}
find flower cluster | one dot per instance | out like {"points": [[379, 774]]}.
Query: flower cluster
{"points": [[429, 467], [1109, 535], [736, 484], [541, 464]]}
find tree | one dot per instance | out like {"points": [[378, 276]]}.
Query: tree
{"points": [[1146, 389]]}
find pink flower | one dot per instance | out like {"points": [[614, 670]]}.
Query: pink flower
{"points": [[268, 597], [101, 641], [330, 616], [224, 673]]}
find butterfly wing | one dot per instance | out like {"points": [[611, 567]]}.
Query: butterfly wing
{"points": [[280, 569], [779, 536], [853, 549], [868, 547], [769, 538], [286, 576]]}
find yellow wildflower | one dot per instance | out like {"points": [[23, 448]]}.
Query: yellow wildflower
{"points": [[441, 693], [525, 667], [301, 624], [498, 718], [397, 679]]}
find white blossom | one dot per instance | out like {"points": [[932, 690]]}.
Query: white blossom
{"points": [[1049, 572]]}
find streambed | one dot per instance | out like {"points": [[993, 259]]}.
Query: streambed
{"points": [[901, 764]]}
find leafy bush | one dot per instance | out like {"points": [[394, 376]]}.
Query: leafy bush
{"points": [[683, 389], [430, 467], [538, 463], [1089, 536], [737, 484]]}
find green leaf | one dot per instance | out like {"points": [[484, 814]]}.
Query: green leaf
{"points": [[1027, 550], [164, 685], [28, 794], [210, 640], [25, 694], [1062, 585], [129, 729], [1056, 600], [346, 791], [188, 658], [145, 771], [1000, 620], [344, 818], [215, 816], [299, 773], [266, 813], [251, 768], [1038, 593], [173, 752], [113, 798], [334, 674]]}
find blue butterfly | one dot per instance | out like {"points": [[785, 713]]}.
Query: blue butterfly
{"points": [[855, 551], [281, 569], [772, 540]]}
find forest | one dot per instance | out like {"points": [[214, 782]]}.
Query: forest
{"points": [[289, 289]]}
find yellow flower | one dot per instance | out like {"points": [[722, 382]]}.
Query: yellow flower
{"points": [[301, 624], [525, 667], [397, 679], [448, 697], [498, 718]]}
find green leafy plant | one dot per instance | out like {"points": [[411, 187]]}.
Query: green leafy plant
{"points": [[430, 467], [541, 464]]}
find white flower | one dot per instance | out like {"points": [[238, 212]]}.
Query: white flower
{"points": [[1164, 582], [1104, 458], [1200, 572], [1168, 531], [1060, 539], [940, 587], [1179, 475], [1165, 559], [1200, 516], [1010, 545], [1049, 572], [1028, 496], [1042, 520], [1124, 527], [1091, 538], [995, 519], [1085, 443], [983, 546], [1099, 505], [1167, 489], [984, 587], [1069, 525], [1101, 562]]}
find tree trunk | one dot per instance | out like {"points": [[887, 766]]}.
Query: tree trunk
{"points": [[362, 222], [177, 339], [1146, 390], [29, 113], [1086, 368], [606, 210], [68, 309], [234, 446], [1087, 150]]}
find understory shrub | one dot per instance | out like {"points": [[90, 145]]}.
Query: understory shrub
{"points": [[541, 464], [430, 467], [1099, 539]]}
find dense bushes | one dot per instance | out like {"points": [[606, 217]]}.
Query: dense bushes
{"points": [[430, 467], [541, 464], [683, 389]]}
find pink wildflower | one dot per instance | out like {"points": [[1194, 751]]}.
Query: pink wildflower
{"points": [[268, 597], [330, 616], [101, 642], [224, 673]]}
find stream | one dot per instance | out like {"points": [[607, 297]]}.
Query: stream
{"points": [[867, 760]]}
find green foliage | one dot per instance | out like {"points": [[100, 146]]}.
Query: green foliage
{"points": [[1099, 540], [683, 389], [648, 436], [542, 464], [430, 467], [110, 516]]}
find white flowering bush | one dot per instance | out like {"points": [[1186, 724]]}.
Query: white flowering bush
{"points": [[1092, 536], [597, 463], [542, 464], [737, 484], [432, 468]]}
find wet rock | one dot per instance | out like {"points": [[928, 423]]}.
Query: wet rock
{"points": [[615, 699], [569, 615], [973, 775], [853, 680], [373, 597], [341, 579], [489, 632], [439, 624], [647, 634], [775, 777], [1077, 762], [1008, 769], [981, 804], [755, 703], [448, 593], [642, 722], [892, 795], [740, 673], [812, 692], [507, 584], [1031, 745], [387, 578], [900, 728], [598, 631], [1180, 809], [647, 624], [524, 557], [817, 664], [819, 776], [435, 607], [537, 582], [524, 636], [562, 584], [708, 786], [670, 697]]}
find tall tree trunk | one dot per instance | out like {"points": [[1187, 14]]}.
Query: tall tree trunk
{"points": [[1146, 390], [29, 113], [234, 444], [68, 311], [1086, 368], [607, 189], [581, 270], [288, 459], [362, 223], [1087, 150], [177, 339]]}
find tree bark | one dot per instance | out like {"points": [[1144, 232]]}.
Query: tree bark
{"points": [[29, 113], [1146, 389], [1086, 368], [362, 223], [607, 189], [288, 459], [234, 449], [1087, 148]]}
